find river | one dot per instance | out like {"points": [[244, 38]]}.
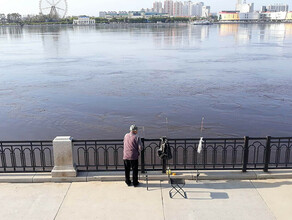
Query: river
{"points": [[94, 82]]}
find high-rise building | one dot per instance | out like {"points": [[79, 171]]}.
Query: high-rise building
{"points": [[148, 10], [277, 8], [238, 5], [177, 9], [197, 9], [206, 11], [102, 14], [168, 7], [187, 8], [157, 7], [243, 7]]}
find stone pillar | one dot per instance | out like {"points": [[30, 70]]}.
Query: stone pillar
{"points": [[63, 158]]}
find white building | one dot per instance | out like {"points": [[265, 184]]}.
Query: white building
{"points": [[276, 16], [168, 7], [178, 9], [157, 7], [110, 14], [197, 9], [206, 11], [147, 10], [84, 20], [278, 8], [251, 16], [244, 7], [122, 14], [136, 14], [187, 8], [155, 14], [102, 14]]}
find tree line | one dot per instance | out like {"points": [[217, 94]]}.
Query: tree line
{"points": [[16, 18]]}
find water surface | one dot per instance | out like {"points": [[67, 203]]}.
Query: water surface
{"points": [[93, 82]]}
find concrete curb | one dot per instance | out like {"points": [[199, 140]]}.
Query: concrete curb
{"points": [[17, 177], [152, 176]]}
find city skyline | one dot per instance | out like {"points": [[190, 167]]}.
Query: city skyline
{"points": [[92, 7]]}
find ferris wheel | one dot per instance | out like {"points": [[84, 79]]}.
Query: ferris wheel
{"points": [[54, 8]]}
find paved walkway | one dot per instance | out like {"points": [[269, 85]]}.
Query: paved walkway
{"points": [[208, 199]]}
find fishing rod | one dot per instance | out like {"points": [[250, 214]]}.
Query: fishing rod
{"points": [[143, 129], [166, 122]]}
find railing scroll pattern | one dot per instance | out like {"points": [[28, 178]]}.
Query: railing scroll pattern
{"points": [[26, 156]]}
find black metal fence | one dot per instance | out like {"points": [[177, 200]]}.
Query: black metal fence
{"points": [[107, 155], [26, 156], [217, 154], [98, 155]]}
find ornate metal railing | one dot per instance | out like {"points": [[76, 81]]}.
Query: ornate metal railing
{"points": [[98, 154], [26, 156], [107, 155], [217, 154], [280, 155]]}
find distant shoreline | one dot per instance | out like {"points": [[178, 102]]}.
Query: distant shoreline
{"points": [[132, 24], [254, 22]]}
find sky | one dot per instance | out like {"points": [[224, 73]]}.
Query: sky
{"points": [[92, 7]]}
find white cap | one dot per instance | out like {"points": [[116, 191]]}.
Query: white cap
{"points": [[133, 128]]}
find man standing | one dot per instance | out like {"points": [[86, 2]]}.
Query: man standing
{"points": [[132, 146]]}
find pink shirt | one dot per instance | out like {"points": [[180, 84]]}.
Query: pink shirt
{"points": [[132, 146]]}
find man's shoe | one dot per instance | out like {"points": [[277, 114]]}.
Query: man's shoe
{"points": [[128, 183], [136, 184]]}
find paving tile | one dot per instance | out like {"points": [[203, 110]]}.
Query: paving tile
{"points": [[112, 200], [31, 201], [278, 196]]}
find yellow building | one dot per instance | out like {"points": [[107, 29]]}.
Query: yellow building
{"points": [[229, 16], [289, 15]]}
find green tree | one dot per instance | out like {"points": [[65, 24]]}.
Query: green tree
{"points": [[137, 20], [2, 18], [113, 20], [14, 18], [101, 20], [157, 19]]}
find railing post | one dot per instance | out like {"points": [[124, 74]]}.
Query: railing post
{"points": [[63, 157], [143, 156], [245, 155], [267, 154], [164, 166]]}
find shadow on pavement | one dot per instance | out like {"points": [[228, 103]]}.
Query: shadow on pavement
{"points": [[151, 186], [235, 184], [203, 195]]}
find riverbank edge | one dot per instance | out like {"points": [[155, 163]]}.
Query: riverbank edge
{"points": [[152, 176]]}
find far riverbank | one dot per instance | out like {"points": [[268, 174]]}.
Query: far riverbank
{"points": [[133, 24]]}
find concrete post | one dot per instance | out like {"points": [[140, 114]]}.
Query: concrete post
{"points": [[63, 158]]}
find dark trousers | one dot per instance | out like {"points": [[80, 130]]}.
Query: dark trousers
{"points": [[134, 165]]}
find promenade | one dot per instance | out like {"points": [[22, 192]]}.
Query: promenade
{"points": [[208, 199]]}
